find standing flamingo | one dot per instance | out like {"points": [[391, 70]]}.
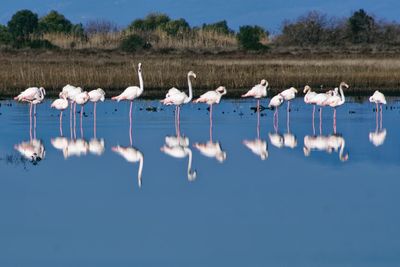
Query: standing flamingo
{"points": [[82, 99], [335, 100], [275, 102], [96, 96], [132, 92], [212, 97], [379, 99], [177, 98], [60, 104], [288, 95], [258, 91]]}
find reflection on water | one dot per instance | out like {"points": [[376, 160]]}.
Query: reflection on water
{"points": [[77, 202]]}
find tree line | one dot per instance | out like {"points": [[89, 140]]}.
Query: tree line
{"points": [[26, 29]]}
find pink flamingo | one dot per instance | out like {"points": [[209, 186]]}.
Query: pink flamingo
{"points": [[60, 104], [258, 91], [82, 99]]}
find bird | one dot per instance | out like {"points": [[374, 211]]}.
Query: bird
{"points": [[132, 92], [275, 102], [258, 91], [132, 155], [379, 99], [96, 96], [309, 95], [32, 95], [177, 98], [336, 100], [60, 104], [81, 99], [211, 98], [288, 95]]}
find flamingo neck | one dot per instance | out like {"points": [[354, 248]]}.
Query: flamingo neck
{"points": [[140, 81], [342, 98], [190, 91]]}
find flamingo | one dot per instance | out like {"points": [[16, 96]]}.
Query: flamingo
{"points": [[81, 99], [377, 138], [132, 92], [34, 96], [275, 102], [258, 91], [132, 155], [177, 98], [379, 99], [96, 96], [60, 104], [211, 98], [337, 100], [309, 98], [288, 95]]}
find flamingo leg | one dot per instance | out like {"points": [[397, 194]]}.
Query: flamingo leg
{"points": [[130, 125], [74, 120], [70, 120], [320, 120], [61, 131], [211, 122], [313, 116], [381, 117], [334, 120], [34, 122], [288, 106], [179, 122], [288, 121], [94, 121], [30, 121], [81, 121], [258, 119]]}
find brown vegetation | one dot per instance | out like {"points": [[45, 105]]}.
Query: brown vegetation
{"points": [[114, 71]]}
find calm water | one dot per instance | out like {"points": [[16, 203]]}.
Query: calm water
{"points": [[315, 200]]}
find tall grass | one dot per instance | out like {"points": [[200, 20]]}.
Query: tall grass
{"points": [[114, 71]]}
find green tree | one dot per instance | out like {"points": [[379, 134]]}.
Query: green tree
{"points": [[176, 27], [219, 27], [150, 22], [361, 27], [22, 25], [55, 22], [5, 36], [249, 37]]}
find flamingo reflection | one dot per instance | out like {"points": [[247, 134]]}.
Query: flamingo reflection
{"points": [[258, 146], [178, 147], [131, 154], [34, 150], [327, 143], [377, 138]]}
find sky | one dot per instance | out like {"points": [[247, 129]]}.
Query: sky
{"points": [[268, 14]]}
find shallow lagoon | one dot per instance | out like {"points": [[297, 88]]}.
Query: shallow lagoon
{"points": [[327, 208]]}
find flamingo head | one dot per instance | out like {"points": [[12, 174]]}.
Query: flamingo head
{"points": [[307, 88], [343, 84], [221, 90], [42, 90], [294, 89], [191, 73], [264, 82], [140, 67]]}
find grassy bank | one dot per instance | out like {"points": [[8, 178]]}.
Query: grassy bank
{"points": [[114, 71]]}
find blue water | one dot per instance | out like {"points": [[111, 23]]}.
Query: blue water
{"points": [[325, 209]]}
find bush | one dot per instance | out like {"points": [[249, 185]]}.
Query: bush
{"points": [[5, 36], [219, 27], [134, 43], [40, 44], [54, 22], [22, 25], [249, 37], [100, 26], [150, 22], [176, 27], [361, 27]]}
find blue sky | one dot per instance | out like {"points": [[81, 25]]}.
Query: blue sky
{"points": [[268, 14]]}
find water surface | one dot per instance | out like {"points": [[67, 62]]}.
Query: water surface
{"points": [[307, 197]]}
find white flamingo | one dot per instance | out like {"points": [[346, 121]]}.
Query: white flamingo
{"points": [[211, 98], [60, 104], [96, 96], [258, 91], [379, 99], [288, 95], [132, 92], [132, 155], [177, 98]]}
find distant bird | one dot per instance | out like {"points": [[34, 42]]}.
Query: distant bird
{"points": [[288, 95], [177, 98], [60, 104], [336, 100], [275, 102], [132, 155], [211, 98], [81, 99], [258, 91], [96, 96], [309, 95], [379, 99], [132, 92]]}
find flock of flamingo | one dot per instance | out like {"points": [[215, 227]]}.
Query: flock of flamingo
{"points": [[178, 146]]}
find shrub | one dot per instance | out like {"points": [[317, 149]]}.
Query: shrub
{"points": [[176, 27], [22, 25], [361, 27], [133, 43], [5, 36], [150, 22], [249, 37], [40, 44], [219, 27], [54, 22]]}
